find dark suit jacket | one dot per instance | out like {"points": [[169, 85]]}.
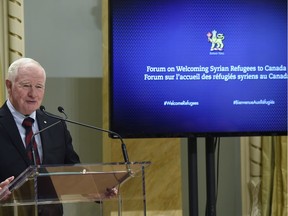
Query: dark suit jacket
{"points": [[56, 144]]}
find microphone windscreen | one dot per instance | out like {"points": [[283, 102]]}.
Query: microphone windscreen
{"points": [[60, 109]]}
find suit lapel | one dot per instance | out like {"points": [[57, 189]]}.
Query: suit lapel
{"points": [[8, 123], [43, 122]]}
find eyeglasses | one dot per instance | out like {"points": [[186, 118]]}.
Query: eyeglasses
{"points": [[28, 86]]}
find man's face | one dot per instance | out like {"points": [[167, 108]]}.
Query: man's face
{"points": [[27, 91]]}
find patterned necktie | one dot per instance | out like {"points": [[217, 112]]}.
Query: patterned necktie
{"points": [[27, 124]]}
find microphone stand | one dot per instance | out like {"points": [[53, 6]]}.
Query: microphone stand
{"points": [[35, 166], [33, 139], [116, 135]]}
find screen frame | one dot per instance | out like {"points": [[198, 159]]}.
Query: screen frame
{"points": [[143, 134]]}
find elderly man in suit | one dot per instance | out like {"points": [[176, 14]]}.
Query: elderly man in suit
{"points": [[26, 87]]}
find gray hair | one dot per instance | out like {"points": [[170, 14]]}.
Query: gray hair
{"points": [[14, 67]]}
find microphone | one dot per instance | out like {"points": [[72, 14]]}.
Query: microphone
{"points": [[33, 138], [116, 135]]}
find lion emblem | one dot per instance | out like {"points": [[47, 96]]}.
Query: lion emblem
{"points": [[216, 40]]}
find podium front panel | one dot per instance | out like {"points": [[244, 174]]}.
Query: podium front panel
{"points": [[42, 185]]}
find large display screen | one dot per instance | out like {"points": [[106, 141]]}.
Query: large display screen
{"points": [[182, 68]]}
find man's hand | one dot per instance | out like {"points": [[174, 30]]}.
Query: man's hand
{"points": [[3, 184]]}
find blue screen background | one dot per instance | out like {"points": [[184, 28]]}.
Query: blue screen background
{"points": [[171, 33]]}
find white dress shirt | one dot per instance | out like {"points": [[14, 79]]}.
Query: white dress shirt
{"points": [[18, 117]]}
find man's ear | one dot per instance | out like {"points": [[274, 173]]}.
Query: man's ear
{"points": [[8, 85]]}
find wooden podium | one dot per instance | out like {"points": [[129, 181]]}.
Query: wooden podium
{"points": [[44, 185]]}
